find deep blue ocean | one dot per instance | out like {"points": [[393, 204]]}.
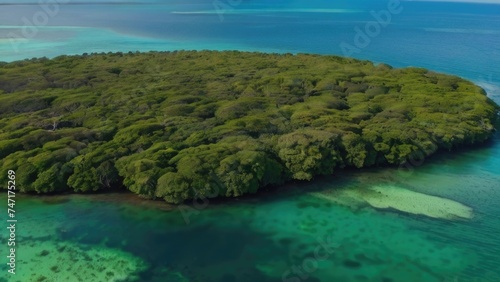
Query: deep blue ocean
{"points": [[272, 236], [458, 38]]}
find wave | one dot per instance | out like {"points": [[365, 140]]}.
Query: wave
{"points": [[19, 27], [492, 89], [255, 11], [463, 30], [460, 1]]}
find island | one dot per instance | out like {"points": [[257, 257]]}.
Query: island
{"points": [[203, 124]]}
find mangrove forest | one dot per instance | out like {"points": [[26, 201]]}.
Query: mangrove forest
{"points": [[192, 124]]}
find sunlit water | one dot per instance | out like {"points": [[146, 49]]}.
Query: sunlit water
{"points": [[287, 234]]}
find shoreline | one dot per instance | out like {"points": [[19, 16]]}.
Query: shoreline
{"points": [[127, 197], [246, 115]]}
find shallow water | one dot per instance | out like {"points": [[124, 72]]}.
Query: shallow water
{"points": [[261, 238], [287, 234]]}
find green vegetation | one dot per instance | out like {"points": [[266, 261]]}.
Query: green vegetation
{"points": [[181, 125]]}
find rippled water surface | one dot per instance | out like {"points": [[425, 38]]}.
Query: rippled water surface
{"points": [[319, 231]]}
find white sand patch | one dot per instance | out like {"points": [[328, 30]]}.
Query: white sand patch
{"points": [[417, 203], [404, 200]]}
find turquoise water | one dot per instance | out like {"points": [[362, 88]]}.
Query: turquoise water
{"points": [[299, 232], [262, 237]]}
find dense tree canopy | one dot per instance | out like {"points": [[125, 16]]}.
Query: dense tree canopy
{"points": [[186, 124]]}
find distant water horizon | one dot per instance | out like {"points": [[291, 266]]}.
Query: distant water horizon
{"points": [[84, 27]]}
